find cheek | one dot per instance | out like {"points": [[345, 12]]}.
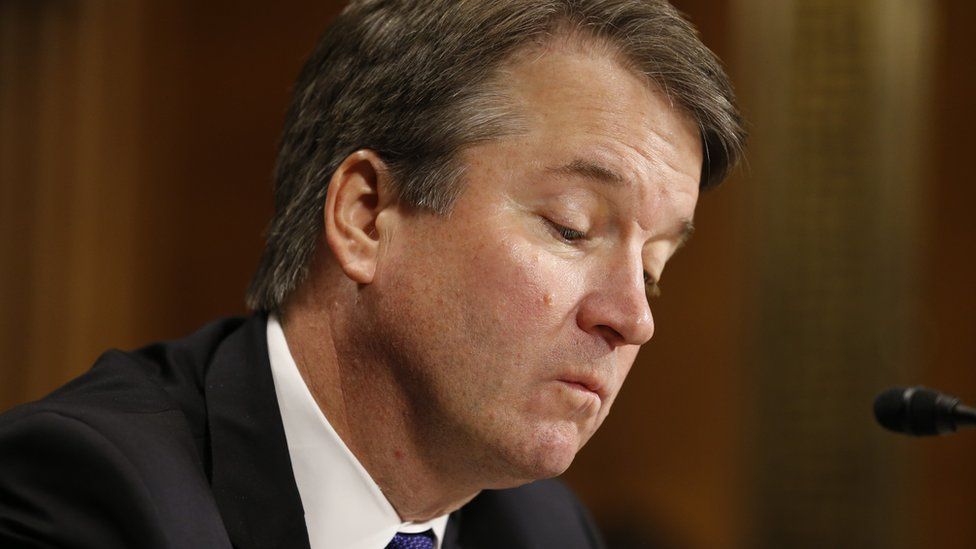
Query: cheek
{"points": [[625, 360], [523, 285]]}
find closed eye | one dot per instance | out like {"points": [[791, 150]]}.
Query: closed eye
{"points": [[652, 288], [651, 285], [565, 233]]}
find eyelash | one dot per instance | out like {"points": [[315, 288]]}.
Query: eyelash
{"points": [[570, 235], [652, 287], [565, 233]]}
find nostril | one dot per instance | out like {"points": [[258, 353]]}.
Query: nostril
{"points": [[613, 337]]}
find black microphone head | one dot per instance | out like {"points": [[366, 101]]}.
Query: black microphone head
{"points": [[915, 411], [890, 409]]}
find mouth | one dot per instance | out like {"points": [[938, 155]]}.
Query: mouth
{"points": [[585, 384]]}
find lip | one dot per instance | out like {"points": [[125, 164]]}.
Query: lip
{"points": [[587, 383]]}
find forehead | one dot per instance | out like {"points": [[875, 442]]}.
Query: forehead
{"points": [[585, 113], [585, 86]]}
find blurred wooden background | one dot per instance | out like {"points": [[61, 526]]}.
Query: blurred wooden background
{"points": [[137, 141]]}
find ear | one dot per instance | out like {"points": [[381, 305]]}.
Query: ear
{"points": [[358, 191]]}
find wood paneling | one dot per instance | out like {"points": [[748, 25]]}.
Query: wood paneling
{"points": [[70, 156], [942, 468]]}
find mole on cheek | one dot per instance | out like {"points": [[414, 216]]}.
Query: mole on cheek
{"points": [[547, 298]]}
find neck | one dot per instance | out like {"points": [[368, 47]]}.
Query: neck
{"points": [[359, 395]]}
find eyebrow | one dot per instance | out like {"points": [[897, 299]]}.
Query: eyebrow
{"points": [[598, 172], [687, 229]]}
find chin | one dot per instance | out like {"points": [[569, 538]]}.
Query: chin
{"points": [[548, 453]]}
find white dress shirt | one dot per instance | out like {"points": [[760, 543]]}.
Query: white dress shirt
{"points": [[344, 508]]}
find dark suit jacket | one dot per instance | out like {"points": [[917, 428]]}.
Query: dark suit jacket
{"points": [[180, 444]]}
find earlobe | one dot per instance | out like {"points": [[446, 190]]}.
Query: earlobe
{"points": [[352, 205]]}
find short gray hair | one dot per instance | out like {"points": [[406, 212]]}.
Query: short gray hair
{"points": [[413, 81]]}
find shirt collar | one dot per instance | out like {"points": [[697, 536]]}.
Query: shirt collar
{"points": [[344, 507]]}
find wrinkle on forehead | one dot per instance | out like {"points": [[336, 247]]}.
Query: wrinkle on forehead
{"points": [[557, 105]]}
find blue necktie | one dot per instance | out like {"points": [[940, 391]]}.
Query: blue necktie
{"points": [[423, 540]]}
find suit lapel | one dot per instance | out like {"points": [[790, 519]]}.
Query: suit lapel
{"points": [[452, 531], [252, 477]]}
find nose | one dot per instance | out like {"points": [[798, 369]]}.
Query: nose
{"points": [[616, 308]]}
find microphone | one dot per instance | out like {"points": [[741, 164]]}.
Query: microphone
{"points": [[919, 411]]}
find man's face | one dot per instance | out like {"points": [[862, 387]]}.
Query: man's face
{"points": [[514, 320]]}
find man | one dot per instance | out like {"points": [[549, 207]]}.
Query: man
{"points": [[472, 201]]}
